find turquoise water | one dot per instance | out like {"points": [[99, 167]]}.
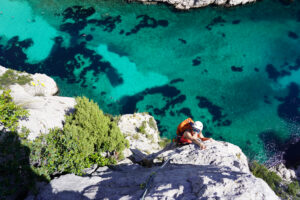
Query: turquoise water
{"points": [[235, 69]]}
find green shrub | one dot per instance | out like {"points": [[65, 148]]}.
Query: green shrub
{"points": [[11, 77], [262, 172], [285, 191], [136, 136], [164, 142], [16, 175], [293, 188], [150, 137], [142, 128], [10, 112], [86, 134], [90, 123], [152, 123]]}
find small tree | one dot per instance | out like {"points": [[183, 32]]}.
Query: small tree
{"points": [[10, 112], [87, 133]]}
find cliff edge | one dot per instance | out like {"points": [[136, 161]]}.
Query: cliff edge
{"points": [[218, 172]]}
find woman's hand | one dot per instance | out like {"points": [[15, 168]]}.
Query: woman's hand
{"points": [[202, 146]]}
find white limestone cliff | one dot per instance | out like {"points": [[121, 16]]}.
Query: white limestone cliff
{"points": [[218, 172], [45, 110], [188, 4]]}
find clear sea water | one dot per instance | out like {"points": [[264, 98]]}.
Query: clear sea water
{"points": [[235, 69]]}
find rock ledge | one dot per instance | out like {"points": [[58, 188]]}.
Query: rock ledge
{"points": [[188, 4]]}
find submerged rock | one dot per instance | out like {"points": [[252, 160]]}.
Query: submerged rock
{"points": [[187, 4], [218, 172]]}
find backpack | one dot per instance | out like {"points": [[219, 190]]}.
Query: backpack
{"points": [[183, 126]]}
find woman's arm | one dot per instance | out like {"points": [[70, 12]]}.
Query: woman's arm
{"points": [[200, 135], [188, 135]]}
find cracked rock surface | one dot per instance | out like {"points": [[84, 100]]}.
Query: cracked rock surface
{"points": [[218, 172]]}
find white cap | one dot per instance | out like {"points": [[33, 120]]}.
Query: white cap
{"points": [[198, 125]]}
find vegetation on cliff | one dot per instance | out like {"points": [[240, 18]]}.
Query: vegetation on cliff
{"points": [[11, 77], [284, 190], [89, 137], [16, 176], [10, 112]]}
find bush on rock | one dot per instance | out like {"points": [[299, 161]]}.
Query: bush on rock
{"points": [[87, 133], [285, 191], [11, 77], [16, 175], [10, 112]]}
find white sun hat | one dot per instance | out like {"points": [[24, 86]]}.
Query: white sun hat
{"points": [[198, 125]]}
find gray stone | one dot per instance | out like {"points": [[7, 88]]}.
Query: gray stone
{"points": [[216, 153], [287, 175], [45, 111], [187, 4], [146, 142], [191, 174], [218, 172], [41, 84]]}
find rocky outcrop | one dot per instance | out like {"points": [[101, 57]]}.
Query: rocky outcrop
{"points": [[221, 154], [287, 175], [45, 110], [142, 132], [218, 172], [187, 4]]}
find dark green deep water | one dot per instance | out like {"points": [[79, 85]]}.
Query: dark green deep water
{"points": [[235, 69]]}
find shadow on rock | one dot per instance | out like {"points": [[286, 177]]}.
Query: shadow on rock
{"points": [[16, 175], [174, 181]]}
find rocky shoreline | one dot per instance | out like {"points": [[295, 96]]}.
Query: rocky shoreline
{"points": [[219, 172], [188, 4]]}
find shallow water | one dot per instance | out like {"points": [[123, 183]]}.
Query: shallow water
{"points": [[235, 69]]}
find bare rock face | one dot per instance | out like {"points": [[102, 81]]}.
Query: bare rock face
{"points": [[192, 173], [45, 110], [218, 172], [216, 153], [187, 4], [141, 131], [287, 175], [41, 84]]}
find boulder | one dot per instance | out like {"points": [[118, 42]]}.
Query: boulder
{"points": [[41, 84], [45, 111], [192, 173], [145, 141], [216, 153]]}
